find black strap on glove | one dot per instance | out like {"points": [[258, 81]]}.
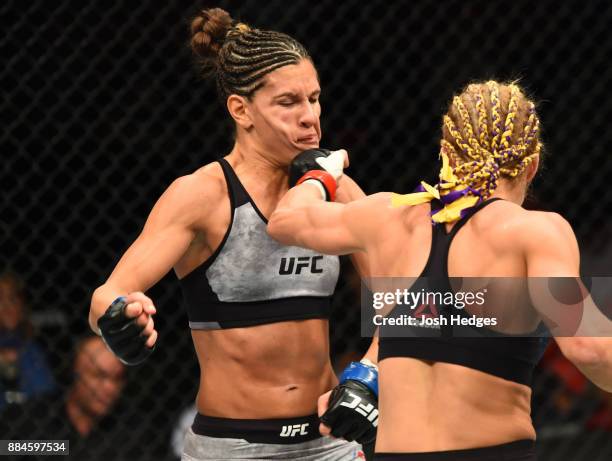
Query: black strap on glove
{"points": [[304, 162], [122, 335]]}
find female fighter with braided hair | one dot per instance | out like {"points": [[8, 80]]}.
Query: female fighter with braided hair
{"points": [[258, 310], [459, 398]]}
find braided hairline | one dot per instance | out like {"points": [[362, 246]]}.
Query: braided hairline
{"points": [[257, 71], [250, 85], [249, 54]]}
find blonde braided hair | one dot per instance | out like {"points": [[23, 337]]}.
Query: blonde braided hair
{"points": [[507, 137], [490, 131]]}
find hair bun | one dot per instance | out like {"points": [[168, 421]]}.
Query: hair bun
{"points": [[208, 31]]}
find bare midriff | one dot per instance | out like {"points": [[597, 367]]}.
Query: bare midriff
{"points": [[276, 370]]}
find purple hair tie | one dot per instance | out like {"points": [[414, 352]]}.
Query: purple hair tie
{"points": [[454, 195]]}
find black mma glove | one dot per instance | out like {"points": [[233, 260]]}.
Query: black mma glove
{"points": [[321, 165], [122, 335], [352, 411]]}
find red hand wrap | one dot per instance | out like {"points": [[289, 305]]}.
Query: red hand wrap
{"points": [[328, 181]]}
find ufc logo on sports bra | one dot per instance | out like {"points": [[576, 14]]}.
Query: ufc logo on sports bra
{"points": [[293, 430], [295, 265], [369, 411]]}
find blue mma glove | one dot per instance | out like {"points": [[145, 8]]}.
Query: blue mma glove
{"points": [[352, 412]]}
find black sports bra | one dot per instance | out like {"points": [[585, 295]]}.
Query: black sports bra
{"points": [[508, 357]]}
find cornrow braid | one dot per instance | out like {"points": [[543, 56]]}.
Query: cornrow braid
{"points": [[477, 148], [456, 135], [482, 117], [238, 55], [491, 130], [495, 114], [474, 147], [531, 129], [529, 137], [483, 178], [447, 148], [502, 149], [518, 169], [509, 125]]}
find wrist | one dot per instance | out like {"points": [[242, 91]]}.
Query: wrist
{"points": [[93, 324], [319, 187], [324, 178], [369, 363]]}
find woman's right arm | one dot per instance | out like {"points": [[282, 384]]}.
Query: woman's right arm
{"points": [[168, 232], [581, 330]]}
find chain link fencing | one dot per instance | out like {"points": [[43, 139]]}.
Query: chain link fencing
{"points": [[102, 108]]}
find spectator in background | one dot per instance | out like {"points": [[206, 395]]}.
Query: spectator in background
{"points": [[82, 414], [24, 372]]}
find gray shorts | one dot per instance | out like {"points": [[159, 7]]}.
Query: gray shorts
{"points": [[201, 447]]}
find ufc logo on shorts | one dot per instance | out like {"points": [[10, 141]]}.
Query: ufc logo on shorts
{"points": [[368, 410], [295, 265], [296, 429]]}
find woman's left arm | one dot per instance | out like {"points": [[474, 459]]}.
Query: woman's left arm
{"points": [[304, 219], [349, 191]]}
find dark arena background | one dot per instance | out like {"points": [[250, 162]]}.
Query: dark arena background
{"points": [[102, 107]]}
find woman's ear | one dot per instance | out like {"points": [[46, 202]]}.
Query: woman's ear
{"points": [[532, 168], [239, 110]]}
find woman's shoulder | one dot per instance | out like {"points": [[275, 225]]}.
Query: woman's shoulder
{"points": [[384, 207], [516, 217], [548, 226], [383, 203], [191, 197], [205, 182], [509, 221]]}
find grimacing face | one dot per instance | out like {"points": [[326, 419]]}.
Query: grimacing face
{"points": [[285, 111]]}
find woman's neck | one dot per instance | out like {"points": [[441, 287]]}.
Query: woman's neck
{"points": [[512, 191], [250, 162]]}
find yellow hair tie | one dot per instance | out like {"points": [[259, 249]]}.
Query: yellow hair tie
{"points": [[456, 196]]}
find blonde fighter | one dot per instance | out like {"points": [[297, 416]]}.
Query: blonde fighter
{"points": [[458, 398]]}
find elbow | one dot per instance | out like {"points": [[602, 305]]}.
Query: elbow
{"points": [[584, 352], [592, 356]]}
